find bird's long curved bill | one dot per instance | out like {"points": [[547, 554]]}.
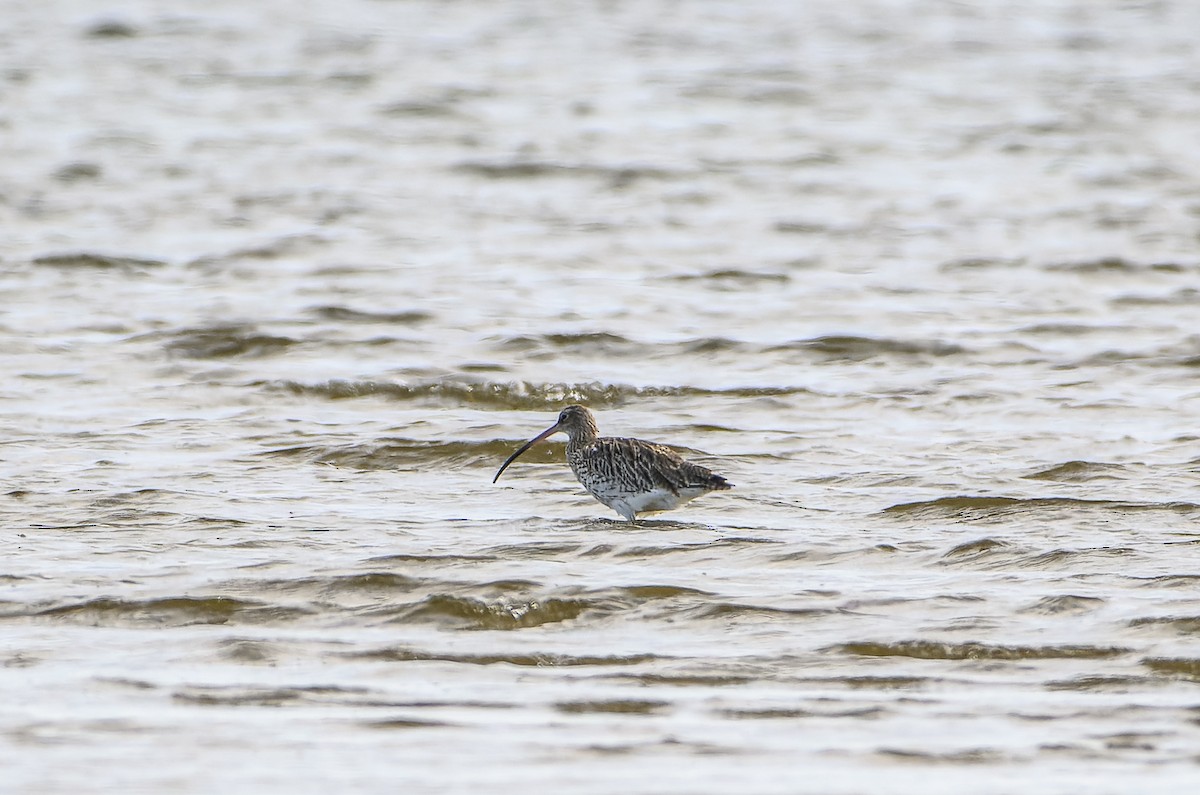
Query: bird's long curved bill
{"points": [[548, 432]]}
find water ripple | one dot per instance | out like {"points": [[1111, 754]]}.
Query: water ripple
{"points": [[516, 395], [931, 650]]}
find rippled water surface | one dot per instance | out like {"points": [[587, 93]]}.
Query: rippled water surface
{"points": [[283, 284]]}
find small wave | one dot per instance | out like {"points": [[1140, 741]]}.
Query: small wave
{"points": [[78, 171], [534, 551], [964, 507], [91, 259], [476, 614], [530, 660], [798, 226], [979, 548], [240, 696], [930, 650], [979, 507], [1066, 329], [742, 160], [515, 395], [1071, 559], [1183, 625], [401, 454], [1097, 683], [404, 723], [880, 682], [385, 582], [284, 246], [741, 277], [738, 610], [1182, 354], [1188, 581], [111, 28], [1180, 625], [613, 706], [244, 650], [1077, 472], [225, 342], [690, 680], [513, 169], [747, 88], [617, 176], [125, 498], [771, 713], [856, 348], [990, 554], [1183, 297], [432, 560], [584, 343], [1181, 667], [1118, 265], [317, 590], [171, 611], [645, 593], [684, 548], [1065, 603], [347, 315], [980, 263], [708, 345], [969, 756], [444, 107], [608, 344]]}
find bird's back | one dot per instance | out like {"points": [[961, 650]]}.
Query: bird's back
{"points": [[614, 465]]}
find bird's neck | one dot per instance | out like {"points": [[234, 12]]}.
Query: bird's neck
{"points": [[583, 437]]}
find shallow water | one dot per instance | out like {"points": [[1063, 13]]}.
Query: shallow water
{"points": [[283, 288]]}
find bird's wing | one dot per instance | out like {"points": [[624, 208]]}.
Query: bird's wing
{"points": [[660, 466]]}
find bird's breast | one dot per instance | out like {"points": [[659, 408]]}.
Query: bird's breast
{"points": [[608, 469]]}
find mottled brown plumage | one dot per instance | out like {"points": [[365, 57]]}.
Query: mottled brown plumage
{"points": [[628, 475]]}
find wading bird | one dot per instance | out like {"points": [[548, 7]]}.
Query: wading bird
{"points": [[628, 475]]}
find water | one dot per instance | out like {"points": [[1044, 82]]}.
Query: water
{"points": [[283, 286]]}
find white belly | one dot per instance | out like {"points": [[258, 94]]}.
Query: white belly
{"points": [[629, 505]]}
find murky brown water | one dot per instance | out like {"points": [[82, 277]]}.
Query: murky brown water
{"points": [[283, 285]]}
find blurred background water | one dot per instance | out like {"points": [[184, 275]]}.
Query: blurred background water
{"points": [[284, 283]]}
